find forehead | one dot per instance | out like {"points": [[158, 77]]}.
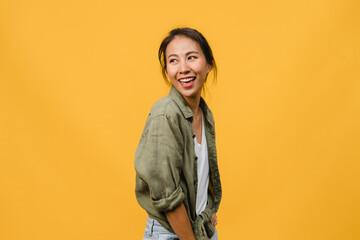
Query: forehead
{"points": [[181, 45]]}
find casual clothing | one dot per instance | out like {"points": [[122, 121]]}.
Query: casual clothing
{"points": [[202, 171], [166, 164], [154, 230]]}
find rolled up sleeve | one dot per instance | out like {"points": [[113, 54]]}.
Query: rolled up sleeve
{"points": [[158, 162]]}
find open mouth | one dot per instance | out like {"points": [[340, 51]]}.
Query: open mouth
{"points": [[187, 82]]}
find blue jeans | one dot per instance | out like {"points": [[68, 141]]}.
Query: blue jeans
{"points": [[154, 230]]}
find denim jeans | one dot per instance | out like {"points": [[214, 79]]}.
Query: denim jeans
{"points": [[154, 230]]}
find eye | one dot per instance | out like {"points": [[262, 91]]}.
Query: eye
{"points": [[173, 60], [191, 57]]}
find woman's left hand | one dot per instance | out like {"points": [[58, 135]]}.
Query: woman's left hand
{"points": [[214, 220]]}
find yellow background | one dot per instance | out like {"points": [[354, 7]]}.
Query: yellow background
{"points": [[78, 78]]}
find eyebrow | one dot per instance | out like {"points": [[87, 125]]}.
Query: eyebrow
{"points": [[188, 53]]}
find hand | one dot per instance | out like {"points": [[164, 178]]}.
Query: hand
{"points": [[214, 220]]}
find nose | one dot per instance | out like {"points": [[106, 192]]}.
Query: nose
{"points": [[184, 68]]}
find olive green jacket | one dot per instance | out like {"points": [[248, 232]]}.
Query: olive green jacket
{"points": [[166, 164]]}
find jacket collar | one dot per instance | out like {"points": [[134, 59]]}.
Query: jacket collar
{"points": [[185, 109]]}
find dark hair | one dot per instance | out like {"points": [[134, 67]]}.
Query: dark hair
{"points": [[192, 34]]}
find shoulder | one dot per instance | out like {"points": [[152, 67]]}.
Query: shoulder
{"points": [[164, 119], [206, 110], [166, 107]]}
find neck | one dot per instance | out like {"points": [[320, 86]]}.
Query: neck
{"points": [[194, 104]]}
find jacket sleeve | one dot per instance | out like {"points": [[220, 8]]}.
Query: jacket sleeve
{"points": [[158, 162]]}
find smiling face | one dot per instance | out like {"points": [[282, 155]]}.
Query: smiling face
{"points": [[186, 66]]}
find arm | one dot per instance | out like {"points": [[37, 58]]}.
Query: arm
{"points": [[180, 222]]}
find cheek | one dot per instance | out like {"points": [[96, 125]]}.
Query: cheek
{"points": [[202, 69], [170, 73]]}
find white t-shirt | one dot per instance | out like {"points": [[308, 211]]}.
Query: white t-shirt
{"points": [[202, 171]]}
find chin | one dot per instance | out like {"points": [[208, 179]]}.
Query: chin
{"points": [[189, 93]]}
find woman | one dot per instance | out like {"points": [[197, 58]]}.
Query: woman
{"points": [[177, 176]]}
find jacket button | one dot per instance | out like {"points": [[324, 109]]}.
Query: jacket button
{"points": [[194, 136], [196, 158]]}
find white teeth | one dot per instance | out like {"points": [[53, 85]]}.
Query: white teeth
{"points": [[186, 80]]}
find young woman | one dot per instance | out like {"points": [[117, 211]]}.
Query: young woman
{"points": [[177, 176]]}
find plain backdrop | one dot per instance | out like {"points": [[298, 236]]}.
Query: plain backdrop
{"points": [[78, 78]]}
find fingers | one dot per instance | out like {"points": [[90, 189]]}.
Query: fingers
{"points": [[214, 220]]}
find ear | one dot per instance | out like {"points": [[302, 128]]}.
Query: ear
{"points": [[209, 67]]}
